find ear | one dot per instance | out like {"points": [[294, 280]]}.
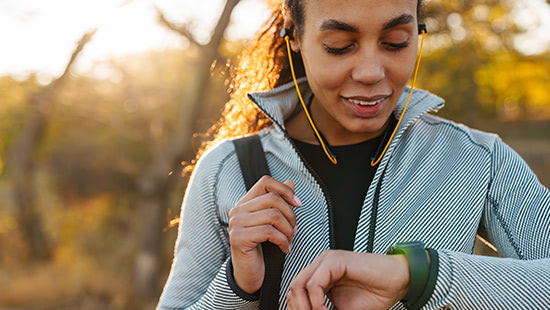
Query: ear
{"points": [[289, 24], [295, 43]]}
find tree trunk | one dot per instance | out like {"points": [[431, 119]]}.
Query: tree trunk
{"points": [[155, 184], [22, 163], [24, 188], [147, 263]]}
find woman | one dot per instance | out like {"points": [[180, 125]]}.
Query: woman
{"points": [[333, 210]]}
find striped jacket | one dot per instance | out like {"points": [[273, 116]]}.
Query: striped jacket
{"points": [[438, 182]]}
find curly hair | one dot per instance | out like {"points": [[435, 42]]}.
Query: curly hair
{"points": [[263, 65]]}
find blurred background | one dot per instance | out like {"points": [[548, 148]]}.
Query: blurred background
{"points": [[103, 102]]}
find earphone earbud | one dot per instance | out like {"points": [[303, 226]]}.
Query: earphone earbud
{"points": [[422, 29], [287, 32]]}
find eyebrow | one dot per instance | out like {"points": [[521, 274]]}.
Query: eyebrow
{"points": [[397, 21], [332, 24]]}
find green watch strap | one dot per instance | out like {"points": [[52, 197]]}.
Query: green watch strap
{"points": [[430, 285], [419, 267]]}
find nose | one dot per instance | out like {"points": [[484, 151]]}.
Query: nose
{"points": [[368, 69]]}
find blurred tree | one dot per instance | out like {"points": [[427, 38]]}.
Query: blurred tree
{"points": [[515, 87], [469, 43], [21, 161], [155, 184]]}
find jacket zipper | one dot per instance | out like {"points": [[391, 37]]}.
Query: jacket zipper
{"points": [[374, 212], [332, 239]]}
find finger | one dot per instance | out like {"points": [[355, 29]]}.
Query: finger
{"points": [[266, 201], [298, 294], [303, 276], [328, 271], [267, 184], [315, 289], [297, 298], [258, 234], [270, 216], [290, 184], [316, 280]]}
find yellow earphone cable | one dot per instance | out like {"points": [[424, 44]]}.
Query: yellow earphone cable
{"points": [[374, 163], [331, 158]]}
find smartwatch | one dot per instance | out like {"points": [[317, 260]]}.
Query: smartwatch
{"points": [[419, 267]]}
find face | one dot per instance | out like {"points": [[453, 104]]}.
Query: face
{"points": [[358, 56]]}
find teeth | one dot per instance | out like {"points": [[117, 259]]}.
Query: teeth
{"points": [[361, 102]]}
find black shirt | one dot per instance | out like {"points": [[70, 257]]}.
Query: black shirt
{"points": [[347, 182]]}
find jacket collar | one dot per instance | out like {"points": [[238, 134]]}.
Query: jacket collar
{"points": [[281, 102]]}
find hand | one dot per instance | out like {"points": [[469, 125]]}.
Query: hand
{"points": [[263, 214], [351, 281]]}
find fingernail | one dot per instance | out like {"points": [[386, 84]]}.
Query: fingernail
{"points": [[295, 230], [297, 200]]}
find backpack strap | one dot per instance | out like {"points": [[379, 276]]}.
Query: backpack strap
{"points": [[253, 166]]}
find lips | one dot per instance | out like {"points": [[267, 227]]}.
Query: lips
{"points": [[365, 107]]}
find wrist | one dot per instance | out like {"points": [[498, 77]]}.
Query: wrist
{"points": [[249, 286], [232, 281], [403, 275]]}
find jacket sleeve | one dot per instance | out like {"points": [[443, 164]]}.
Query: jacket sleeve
{"points": [[198, 278], [517, 218]]}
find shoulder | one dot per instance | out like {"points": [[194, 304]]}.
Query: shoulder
{"points": [[219, 166], [454, 132], [215, 156], [219, 154], [216, 159], [221, 158]]}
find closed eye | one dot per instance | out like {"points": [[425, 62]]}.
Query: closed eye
{"points": [[337, 51], [395, 47]]}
